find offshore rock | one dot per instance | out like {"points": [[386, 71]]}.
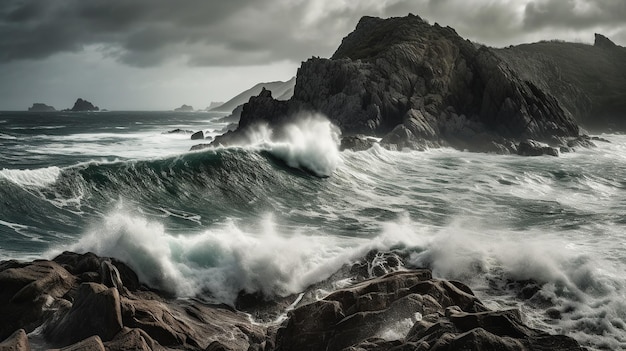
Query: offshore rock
{"points": [[83, 106], [197, 135], [356, 143], [40, 107], [184, 108], [417, 86]]}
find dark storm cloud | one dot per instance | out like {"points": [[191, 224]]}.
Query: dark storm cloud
{"points": [[574, 14], [243, 32], [148, 32]]}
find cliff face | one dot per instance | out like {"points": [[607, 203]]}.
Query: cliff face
{"points": [[588, 80], [419, 85]]}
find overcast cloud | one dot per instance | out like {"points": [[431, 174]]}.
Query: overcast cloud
{"points": [[206, 42]]}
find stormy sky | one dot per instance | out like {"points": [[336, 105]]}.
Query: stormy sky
{"points": [[159, 54]]}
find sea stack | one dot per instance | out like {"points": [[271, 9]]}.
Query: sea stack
{"points": [[41, 107], [84, 106]]}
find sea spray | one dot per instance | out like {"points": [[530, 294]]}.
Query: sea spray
{"points": [[31, 177], [310, 143]]}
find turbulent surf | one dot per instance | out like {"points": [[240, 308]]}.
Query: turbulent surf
{"points": [[281, 213]]}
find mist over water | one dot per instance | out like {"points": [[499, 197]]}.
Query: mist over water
{"points": [[287, 209]]}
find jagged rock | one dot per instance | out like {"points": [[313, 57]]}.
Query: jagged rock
{"points": [[178, 131], [96, 311], [200, 147], [197, 135], [26, 289], [83, 106], [445, 314], [582, 77], [40, 107], [184, 108], [133, 339], [535, 148], [92, 343], [603, 42], [356, 143], [18, 341], [417, 86]]}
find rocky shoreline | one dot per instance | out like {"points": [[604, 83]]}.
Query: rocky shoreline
{"points": [[85, 302]]}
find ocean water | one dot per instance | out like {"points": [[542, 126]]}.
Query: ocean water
{"points": [[278, 215]]}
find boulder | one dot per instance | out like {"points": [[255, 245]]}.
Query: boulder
{"points": [[92, 343], [535, 148], [197, 135], [356, 143], [133, 339], [96, 311], [30, 291], [18, 341]]}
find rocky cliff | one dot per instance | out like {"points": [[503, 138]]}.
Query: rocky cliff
{"points": [[416, 85], [588, 80]]}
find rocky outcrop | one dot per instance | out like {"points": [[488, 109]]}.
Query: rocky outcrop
{"points": [[587, 80], [417, 86], [179, 131], [197, 135], [184, 108], [83, 106], [94, 303], [40, 107]]}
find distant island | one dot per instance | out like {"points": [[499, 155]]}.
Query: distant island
{"points": [[40, 107], [83, 106], [184, 108]]}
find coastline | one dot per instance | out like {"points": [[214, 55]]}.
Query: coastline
{"points": [[82, 301]]}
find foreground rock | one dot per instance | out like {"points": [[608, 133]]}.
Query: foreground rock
{"points": [[39, 107], [416, 86], [85, 302]]}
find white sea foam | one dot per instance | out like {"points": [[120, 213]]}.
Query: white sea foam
{"points": [[32, 177], [222, 260], [311, 143]]}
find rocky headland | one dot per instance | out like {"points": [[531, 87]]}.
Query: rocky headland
{"points": [[83, 106], [184, 108], [417, 85], [86, 302], [40, 107]]}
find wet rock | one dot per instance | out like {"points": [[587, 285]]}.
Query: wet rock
{"points": [[133, 339], [18, 341], [356, 143], [96, 311], [29, 292], [197, 135], [93, 343], [179, 131], [535, 148]]}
